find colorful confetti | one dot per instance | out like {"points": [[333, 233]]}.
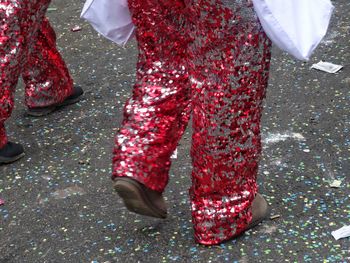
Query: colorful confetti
{"points": [[306, 129]]}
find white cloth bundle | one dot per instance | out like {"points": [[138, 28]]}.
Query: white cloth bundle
{"points": [[295, 26], [110, 18]]}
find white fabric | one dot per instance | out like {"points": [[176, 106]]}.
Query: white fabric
{"points": [[110, 18], [295, 26]]}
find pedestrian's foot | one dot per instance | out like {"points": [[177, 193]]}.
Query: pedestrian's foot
{"points": [[11, 152], [140, 199], [260, 210], [42, 111]]}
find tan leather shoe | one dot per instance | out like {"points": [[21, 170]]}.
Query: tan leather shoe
{"points": [[260, 210], [140, 199]]}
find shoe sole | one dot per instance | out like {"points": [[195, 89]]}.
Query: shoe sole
{"points": [[136, 199], [47, 110], [4, 160]]}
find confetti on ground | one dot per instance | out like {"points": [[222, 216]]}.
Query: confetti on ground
{"points": [[67, 192], [305, 130], [280, 137]]}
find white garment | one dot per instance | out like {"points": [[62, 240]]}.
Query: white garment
{"points": [[110, 18], [295, 26]]}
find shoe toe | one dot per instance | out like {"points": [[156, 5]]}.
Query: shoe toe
{"points": [[11, 153], [77, 92], [12, 149], [260, 208]]}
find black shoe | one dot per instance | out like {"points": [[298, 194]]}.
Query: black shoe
{"points": [[11, 152], [42, 111]]}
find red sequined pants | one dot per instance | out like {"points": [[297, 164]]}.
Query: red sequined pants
{"points": [[209, 58], [28, 48]]}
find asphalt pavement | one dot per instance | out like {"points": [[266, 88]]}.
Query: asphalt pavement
{"points": [[59, 205]]}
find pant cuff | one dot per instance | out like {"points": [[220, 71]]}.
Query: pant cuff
{"points": [[3, 136], [221, 218], [38, 101]]}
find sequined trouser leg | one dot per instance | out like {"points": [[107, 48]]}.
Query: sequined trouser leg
{"points": [[212, 58], [28, 47]]}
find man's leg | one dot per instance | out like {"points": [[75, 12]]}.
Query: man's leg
{"points": [[231, 56], [47, 79], [16, 18], [156, 115], [3, 137]]}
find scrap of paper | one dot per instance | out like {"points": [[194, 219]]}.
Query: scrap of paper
{"points": [[335, 184], [341, 233], [174, 155], [275, 217], [2, 202], [50, 9], [327, 67], [76, 29]]}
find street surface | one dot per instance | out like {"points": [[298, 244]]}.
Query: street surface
{"points": [[60, 205]]}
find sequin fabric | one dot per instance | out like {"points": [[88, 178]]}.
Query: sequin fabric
{"points": [[208, 58], [28, 48]]}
